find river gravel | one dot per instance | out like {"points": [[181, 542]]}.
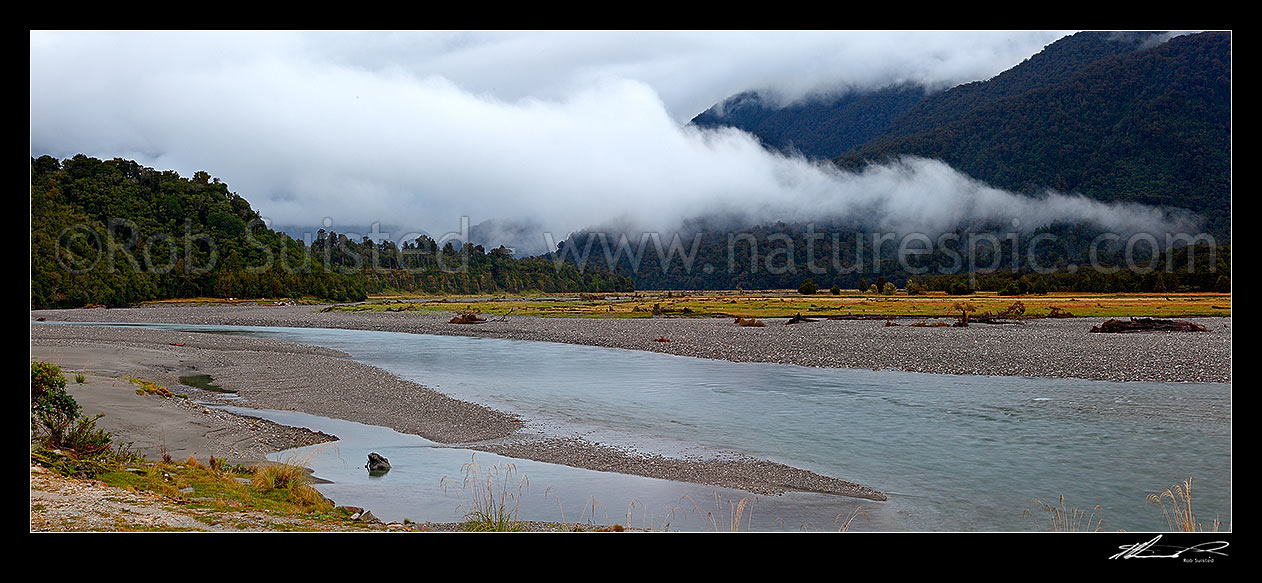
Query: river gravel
{"points": [[272, 374], [281, 375], [1052, 348]]}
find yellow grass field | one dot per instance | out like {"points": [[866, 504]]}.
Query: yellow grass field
{"points": [[786, 303]]}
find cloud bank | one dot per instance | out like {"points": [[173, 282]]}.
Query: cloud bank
{"points": [[496, 125]]}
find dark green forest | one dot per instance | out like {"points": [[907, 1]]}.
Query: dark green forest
{"points": [[820, 128], [1114, 116], [1060, 257], [1055, 64], [116, 233], [1149, 126]]}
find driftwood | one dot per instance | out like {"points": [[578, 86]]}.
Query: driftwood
{"points": [[749, 322], [1055, 312], [1149, 325], [799, 318], [658, 310], [870, 317], [467, 318]]}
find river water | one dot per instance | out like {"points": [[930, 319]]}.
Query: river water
{"points": [[954, 453]]}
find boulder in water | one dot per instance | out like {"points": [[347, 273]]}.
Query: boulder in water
{"points": [[377, 464]]}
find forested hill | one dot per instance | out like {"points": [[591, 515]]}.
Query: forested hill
{"points": [[116, 233], [1055, 64], [1151, 126], [826, 126], [1115, 116], [822, 127]]}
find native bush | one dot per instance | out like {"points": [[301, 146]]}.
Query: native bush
{"points": [[53, 410]]}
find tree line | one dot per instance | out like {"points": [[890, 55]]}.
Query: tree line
{"points": [[116, 233]]}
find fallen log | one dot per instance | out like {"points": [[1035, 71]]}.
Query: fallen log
{"points": [[467, 318], [1149, 325], [798, 318]]}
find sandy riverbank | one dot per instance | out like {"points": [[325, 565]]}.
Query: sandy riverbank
{"points": [[271, 374]]}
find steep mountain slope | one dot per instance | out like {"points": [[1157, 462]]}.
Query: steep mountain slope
{"points": [[1055, 64], [1151, 126], [819, 128]]}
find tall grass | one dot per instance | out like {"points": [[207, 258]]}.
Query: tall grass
{"points": [[1062, 518], [1176, 505], [490, 499], [844, 525], [289, 478], [728, 519]]}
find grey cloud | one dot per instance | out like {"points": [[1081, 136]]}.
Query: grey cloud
{"points": [[355, 133]]}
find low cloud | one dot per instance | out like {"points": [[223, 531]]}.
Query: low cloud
{"points": [[315, 138]]}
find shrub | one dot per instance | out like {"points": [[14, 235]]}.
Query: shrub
{"points": [[889, 289], [46, 377], [61, 439], [1012, 289], [914, 287], [53, 410], [835, 290], [863, 285], [86, 439], [808, 287]]}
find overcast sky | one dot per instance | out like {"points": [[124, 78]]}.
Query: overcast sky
{"points": [[416, 129]]}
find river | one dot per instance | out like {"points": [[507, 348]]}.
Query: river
{"points": [[954, 453]]}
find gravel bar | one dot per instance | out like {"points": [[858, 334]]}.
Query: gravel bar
{"points": [[279, 375], [1051, 348]]}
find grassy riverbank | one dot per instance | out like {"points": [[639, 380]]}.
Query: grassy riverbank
{"points": [[784, 304]]}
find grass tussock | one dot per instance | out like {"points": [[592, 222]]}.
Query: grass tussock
{"points": [[1175, 502], [730, 518], [290, 482], [844, 525], [1176, 506], [1062, 518], [151, 388], [490, 499], [280, 489]]}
